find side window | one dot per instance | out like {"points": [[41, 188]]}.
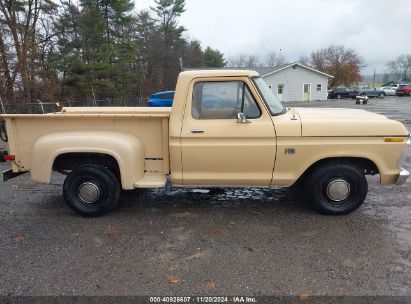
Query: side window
{"points": [[223, 100], [319, 87]]}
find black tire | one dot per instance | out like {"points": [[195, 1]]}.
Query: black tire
{"points": [[381, 96], [339, 96], [325, 177], [102, 200]]}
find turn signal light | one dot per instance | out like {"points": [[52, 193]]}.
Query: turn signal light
{"points": [[9, 157], [394, 139]]}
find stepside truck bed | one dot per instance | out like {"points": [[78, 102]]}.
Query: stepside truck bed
{"points": [[142, 130]]}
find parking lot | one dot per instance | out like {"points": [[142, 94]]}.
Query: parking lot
{"points": [[217, 242]]}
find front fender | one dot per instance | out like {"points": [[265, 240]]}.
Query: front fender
{"points": [[289, 167], [127, 149]]}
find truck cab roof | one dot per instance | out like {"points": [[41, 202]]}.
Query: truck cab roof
{"points": [[218, 73]]}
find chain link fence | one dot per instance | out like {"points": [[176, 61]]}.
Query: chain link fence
{"points": [[39, 107]]}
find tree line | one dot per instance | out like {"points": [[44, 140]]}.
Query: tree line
{"points": [[337, 60], [54, 50], [69, 49]]}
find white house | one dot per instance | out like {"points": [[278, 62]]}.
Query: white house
{"points": [[295, 82]]}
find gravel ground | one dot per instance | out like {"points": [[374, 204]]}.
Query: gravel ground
{"points": [[215, 242]]}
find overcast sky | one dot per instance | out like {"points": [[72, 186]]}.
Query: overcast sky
{"points": [[379, 30]]}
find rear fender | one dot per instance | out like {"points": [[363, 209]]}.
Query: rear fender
{"points": [[128, 151]]}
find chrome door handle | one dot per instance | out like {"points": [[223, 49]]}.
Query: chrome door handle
{"points": [[197, 131]]}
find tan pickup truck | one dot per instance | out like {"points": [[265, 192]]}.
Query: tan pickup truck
{"points": [[225, 129]]}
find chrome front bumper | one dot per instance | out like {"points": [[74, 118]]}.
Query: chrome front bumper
{"points": [[402, 178]]}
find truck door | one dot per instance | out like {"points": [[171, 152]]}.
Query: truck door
{"points": [[218, 149]]}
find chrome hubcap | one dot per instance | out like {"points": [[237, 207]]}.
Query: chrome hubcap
{"points": [[88, 192], [338, 190]]}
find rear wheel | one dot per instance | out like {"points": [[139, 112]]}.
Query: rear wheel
{"points": [[381, 96], [339, 96], [91, 190], [337, 189]]}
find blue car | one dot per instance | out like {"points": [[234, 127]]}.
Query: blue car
{"points": [[165, 99], [161, 99]]}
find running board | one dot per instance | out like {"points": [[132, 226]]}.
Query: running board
{"points": [[152, 180]]}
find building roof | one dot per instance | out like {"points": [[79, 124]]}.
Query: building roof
{"points": [[266, 71]]}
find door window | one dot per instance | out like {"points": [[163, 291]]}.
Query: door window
{"points": [[223, 100]]}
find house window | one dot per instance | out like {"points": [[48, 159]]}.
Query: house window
{"points": [[280, 89], [319, 87]]}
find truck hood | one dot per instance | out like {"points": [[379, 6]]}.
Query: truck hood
{"points": [[347, 122]]}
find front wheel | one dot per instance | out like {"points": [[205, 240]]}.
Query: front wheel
{"points": [[91, 190], [337, 189], [381, 96]]}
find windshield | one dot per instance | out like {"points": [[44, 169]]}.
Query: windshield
{"points": [[275, 106]]}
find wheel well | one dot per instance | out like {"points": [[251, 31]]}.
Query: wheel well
{"points": [[367, 166], [70, 161]]}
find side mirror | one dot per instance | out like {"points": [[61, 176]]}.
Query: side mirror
{"points": [[241, 118]]}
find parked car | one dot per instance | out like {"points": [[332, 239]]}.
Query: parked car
{"points": [[165, 99], [370, 92], [389, 91], [339, 93], [403, 89], [161, 99]]}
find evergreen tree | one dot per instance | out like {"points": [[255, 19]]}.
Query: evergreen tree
{"points": [[167, 12], [213, 58], [193, 55], [93, 48], [101, 64]]}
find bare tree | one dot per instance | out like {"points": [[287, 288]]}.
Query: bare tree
{"points": [[7, 77], [239, 61], [254, 61], [274, 59], [401, 66], [305, 60], [22, 23], [244, 61], [343, 63]]}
